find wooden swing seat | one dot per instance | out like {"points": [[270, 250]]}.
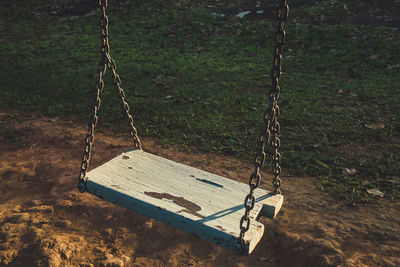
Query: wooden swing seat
{"points": [[201, 203]]}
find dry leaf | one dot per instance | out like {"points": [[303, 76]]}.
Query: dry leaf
{"points": [[378, 125], [373, 56], [395, 180], [349, 171], [375, 192]]}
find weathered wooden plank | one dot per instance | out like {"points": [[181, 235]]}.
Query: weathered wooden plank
{"points": [[195, 201]]}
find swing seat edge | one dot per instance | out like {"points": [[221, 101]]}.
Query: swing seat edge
{"points": [[195, 201]]}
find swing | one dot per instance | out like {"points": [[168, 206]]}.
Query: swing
{"points": [[198, 202]]}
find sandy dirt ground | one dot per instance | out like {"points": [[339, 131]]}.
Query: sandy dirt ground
{"points": [[45, 221]]}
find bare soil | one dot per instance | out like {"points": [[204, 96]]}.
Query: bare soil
{"points": [[45, 221]]}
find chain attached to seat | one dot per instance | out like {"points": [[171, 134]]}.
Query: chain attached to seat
{"points": [[105, 62], [271, 114], [272, 127]]}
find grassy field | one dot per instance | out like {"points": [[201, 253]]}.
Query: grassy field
{"points": [[200, 81]]}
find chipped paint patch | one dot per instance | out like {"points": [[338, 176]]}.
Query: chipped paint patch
{"points": [[190, 207]]}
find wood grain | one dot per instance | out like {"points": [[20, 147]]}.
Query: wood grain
{"points": [[195, 201]]}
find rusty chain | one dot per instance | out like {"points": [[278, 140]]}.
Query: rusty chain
{"points": [[272, 127], [105, 61]]}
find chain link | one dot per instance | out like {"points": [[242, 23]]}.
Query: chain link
{"points": [[105, 61], [125, 106], [271, 132]]}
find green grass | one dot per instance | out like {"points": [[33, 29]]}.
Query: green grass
{"points": [[199, 80]]}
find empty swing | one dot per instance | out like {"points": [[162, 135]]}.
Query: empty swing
{"points": [[193, 200]]}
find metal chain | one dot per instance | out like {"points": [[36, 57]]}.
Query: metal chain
{"points": [[272, 127], [105, 61], [282, 15], [125, 106]]}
